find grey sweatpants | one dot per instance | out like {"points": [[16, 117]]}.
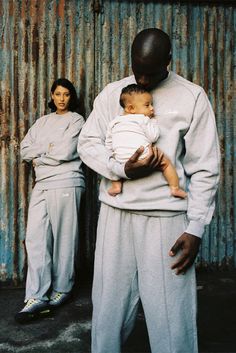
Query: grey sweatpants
{"points": [[132, 262], [52, 241]]}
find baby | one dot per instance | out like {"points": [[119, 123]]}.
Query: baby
{"points": [[126, 133]]}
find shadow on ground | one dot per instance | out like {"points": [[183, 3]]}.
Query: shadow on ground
{"points": [[68, 329]]}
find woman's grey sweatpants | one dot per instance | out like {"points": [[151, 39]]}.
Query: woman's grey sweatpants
{"points": [[52, 240], [132, 262]]}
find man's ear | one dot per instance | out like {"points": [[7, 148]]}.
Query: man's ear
{"points": [[169, 58]]}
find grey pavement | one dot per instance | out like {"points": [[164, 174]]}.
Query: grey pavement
{"points": [[67, 330]]}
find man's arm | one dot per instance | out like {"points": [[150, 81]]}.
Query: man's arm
{"points": [[91, 145], [202, 165], [92, 150]]}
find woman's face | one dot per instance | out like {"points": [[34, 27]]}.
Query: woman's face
{"points": [[61, 98]]}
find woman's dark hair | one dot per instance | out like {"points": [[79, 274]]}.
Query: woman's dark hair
{"points": [[129, 90], [73, 102]]}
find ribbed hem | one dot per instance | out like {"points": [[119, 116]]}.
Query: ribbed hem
{"points": [[58, 184], [117, 168], [195, 228]]}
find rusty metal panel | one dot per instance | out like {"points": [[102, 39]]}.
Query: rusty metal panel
{"points": [[203, 46], [88, 41], [40, 41]]}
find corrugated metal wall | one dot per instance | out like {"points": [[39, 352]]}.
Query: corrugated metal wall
{"points": [[89, 43]]}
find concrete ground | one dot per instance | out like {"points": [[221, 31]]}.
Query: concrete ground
{"points": [[68, 329]]}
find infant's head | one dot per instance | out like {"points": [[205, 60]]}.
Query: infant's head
{"points": [[136, 99]]}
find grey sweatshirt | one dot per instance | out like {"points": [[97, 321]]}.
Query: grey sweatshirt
{"points": [[52, 143], [188, 138]]}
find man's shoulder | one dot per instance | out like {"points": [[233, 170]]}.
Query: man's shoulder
{"points": [[182, 82], [111, 92], [116, 86]]}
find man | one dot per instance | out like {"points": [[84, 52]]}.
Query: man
{"points": [[147, 240]]}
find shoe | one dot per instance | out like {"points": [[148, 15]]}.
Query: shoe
{"points": [[33, 309], [58, 298]]}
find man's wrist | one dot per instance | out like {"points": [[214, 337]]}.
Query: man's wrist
{"points": [[195, 228]]}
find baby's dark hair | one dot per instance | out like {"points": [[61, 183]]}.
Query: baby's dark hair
{"points": [[130, 89], [73, 103]]}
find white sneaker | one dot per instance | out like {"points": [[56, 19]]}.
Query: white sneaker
{"points": [[59, 298], [33, 308]]}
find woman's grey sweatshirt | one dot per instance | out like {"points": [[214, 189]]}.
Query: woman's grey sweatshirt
{"points": [[52, 143], [188, 137]]}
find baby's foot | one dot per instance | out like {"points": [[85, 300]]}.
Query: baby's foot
{"points": [[177, 192]]}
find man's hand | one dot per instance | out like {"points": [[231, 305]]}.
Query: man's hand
{"points": [[138, 168], [189, 245]]}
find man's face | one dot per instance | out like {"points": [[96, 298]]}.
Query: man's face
{"points": [[148, 75]]}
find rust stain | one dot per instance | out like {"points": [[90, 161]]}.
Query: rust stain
{"points": [[22, 10], [1, 111], [26, 41], [63, 59], [5, 133], [33, 10], [1, 12], [35, 44], [214, 68], [81, 93], [25, 104], [206, 53], [35, 103], [55, 45], [61, 9], [40, 12], [15, 222], [11, 7], [15, 104]]}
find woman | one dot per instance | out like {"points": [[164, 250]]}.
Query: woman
{"points": [[52, 228]]}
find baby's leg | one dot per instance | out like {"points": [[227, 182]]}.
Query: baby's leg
{"points": [[173, 181], [116, 188]]}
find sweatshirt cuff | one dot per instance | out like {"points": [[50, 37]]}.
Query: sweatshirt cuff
{"points": [[37, 162], [195, 228], [117, 168]]}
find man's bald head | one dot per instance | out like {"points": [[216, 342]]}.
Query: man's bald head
{"points": [[151, 54], [152, 44]]}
